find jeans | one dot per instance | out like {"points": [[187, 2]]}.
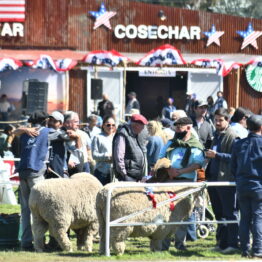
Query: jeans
{"points": [[25, 188], [103, 178], [250, 203], [224, 204], [184, 230]]}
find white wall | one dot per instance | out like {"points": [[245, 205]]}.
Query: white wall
{"points": [[112, 85], [204, 85]]}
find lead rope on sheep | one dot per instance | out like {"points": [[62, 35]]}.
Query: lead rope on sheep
{"points": [[177, 197]]}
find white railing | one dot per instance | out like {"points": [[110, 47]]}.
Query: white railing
{"points": [[117, 222]]}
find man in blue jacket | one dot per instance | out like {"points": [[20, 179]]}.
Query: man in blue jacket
{"points": [[246, 166], [32, 167]]}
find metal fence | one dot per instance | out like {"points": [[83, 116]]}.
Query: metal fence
{"points": [[118, 222]]}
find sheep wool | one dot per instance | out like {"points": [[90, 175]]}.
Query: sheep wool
{"points": [[126, 201], [60, 204]]}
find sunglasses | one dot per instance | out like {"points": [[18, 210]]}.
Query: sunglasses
{"points": [[109, 125]]}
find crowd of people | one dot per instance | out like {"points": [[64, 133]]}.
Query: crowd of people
{"points": [[202, 137]]}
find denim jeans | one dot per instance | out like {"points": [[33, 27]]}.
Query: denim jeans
{"points": [[103, 178], [224, 204], [184, 230], [25, 188], [250, 203]]}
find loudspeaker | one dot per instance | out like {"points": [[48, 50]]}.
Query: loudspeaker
{"points": [[34, 96], [96, 88]]}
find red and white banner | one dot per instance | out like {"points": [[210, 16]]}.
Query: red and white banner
{"points": [[163, 55], [217, 63], [9, 64], [12, 10], [101, 57], [255, 62], [47, 62], [227, 67]]}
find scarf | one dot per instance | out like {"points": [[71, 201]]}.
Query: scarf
{"points": [[192, 142]]}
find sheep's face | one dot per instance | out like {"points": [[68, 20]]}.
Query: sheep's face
{"points": [[160, 173]]}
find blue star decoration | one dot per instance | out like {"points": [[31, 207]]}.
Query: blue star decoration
{"points": [[213, 36], [102, 17], [250, 36]]}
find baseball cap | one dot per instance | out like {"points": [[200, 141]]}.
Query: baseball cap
{"points": [[139, 119], [199, 103], [183, 121], [57, 116]]}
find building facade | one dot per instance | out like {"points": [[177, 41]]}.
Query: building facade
{"points": [[73, 28]]}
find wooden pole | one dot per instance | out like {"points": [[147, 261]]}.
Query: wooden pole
{"points": [[237, 87]]}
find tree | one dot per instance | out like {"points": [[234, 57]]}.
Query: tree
{"points": [[245, 8]]}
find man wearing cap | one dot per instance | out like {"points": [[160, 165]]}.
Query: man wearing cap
{"points": [[129, 160], [186, 155], [200, 123], [132, 103], [57, 156], [246, 166]]}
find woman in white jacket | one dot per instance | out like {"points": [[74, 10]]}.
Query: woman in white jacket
{"points": [[102, 150]]}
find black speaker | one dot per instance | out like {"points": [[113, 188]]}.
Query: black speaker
{"points": [[34, 96], [96, 88]]}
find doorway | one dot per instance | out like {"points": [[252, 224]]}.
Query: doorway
{"points": [[152, 92]]}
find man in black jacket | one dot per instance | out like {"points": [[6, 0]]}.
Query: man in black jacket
{"points": [[246, 167], [105, 107]]}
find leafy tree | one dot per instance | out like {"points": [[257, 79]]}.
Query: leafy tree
{"points": [[245, 8]]}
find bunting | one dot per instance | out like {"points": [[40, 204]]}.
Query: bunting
{"points": [[9, 64], [163, 55], [101, 57], [217, 63], [47, 62]]}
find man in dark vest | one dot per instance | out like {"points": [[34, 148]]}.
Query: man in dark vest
{"points": [[128, 150]]}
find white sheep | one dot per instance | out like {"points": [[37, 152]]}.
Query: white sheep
{"points": [[60, 204], [130, 200]]}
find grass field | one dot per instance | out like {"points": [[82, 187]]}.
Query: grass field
{"points": [[136, 250]]}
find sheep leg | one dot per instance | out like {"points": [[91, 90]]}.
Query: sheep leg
{"points": [[118, 238], [155, 245], [60, 234], [102, 229], [39, 228], [119, 247], [84, 239]]}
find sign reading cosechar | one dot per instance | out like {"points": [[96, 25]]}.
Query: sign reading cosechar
{"points": [[157, 32]]}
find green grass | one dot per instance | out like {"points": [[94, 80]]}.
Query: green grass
{"points": [[137, 249]]}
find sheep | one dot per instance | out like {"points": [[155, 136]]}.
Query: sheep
{"points": [[60, 204], [130, 200]]}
